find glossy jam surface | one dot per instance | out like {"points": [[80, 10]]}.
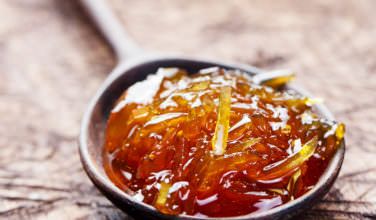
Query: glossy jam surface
{"points": [[215, 144]]}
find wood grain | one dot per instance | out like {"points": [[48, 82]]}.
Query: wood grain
{"points": [[52, 60]]}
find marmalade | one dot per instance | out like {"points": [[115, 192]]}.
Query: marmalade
{"points": [[215, 143]]}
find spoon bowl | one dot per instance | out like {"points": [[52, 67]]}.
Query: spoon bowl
{"points": [[94, 124]]}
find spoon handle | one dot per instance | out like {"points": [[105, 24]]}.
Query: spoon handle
{"points": [[112, 29]]}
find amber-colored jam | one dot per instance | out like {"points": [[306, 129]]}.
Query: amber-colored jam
{"points": [[216, 144]]}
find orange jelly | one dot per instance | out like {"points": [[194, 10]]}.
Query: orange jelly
{"points": [[216, 144]]}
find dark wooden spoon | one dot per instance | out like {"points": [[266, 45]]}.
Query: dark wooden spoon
{"points": [[134, 65]]}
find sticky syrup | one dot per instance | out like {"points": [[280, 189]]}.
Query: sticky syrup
{"points": [[216, 144]]}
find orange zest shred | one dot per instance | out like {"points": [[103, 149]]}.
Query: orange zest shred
{"points": [[313, 101], [279, 169], [162, 195], [278, 191], [223, 164], [219, 140], [292, 183], [340, 131], [249, 143], [279, 81], [244, 146]]}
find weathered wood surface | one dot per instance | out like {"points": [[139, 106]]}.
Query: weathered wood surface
{"points": [[52, 60]]}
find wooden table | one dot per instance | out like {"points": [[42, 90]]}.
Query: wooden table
{"points": [[52, 60]]}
